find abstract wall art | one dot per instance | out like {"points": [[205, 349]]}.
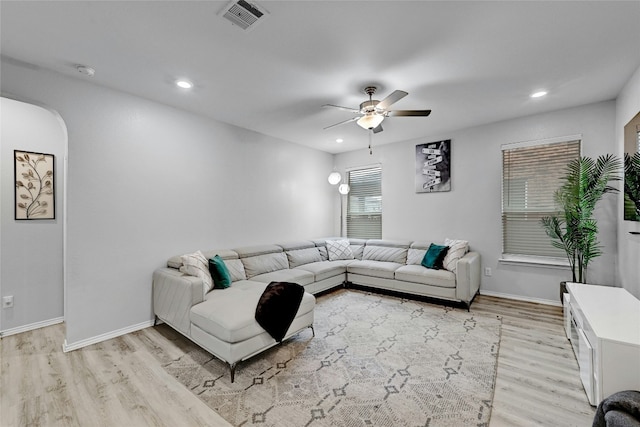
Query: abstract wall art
{"points": [[433, 167]]}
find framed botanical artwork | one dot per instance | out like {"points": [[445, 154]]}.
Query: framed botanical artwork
{"points": [[433, 167], [35, 185]]}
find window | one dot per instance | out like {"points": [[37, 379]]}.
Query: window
{"points": [[531, 173], [364, 206]]}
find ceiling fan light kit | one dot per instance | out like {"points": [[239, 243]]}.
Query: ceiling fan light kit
{"points": [[373, 112], [370, 121]]}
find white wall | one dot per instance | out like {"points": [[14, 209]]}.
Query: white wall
{"points": [[627, 106], [471, 210], [146, 182], [30, 251]]}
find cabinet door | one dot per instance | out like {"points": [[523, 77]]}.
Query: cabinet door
{"points": [[585, 360], [567, 315]]}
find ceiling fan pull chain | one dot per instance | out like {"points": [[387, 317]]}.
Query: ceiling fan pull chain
{"points": [[370, 138]]}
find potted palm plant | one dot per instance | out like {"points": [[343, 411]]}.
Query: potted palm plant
{"points": [[574, 229]]}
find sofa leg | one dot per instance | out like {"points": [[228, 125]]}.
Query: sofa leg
{"points": [[468, 304], [232, 368], [313, 331], [155, 320]]}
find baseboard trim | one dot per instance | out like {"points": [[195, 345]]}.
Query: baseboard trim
{"points": [[31, 327], [66, 347], [521, 298]]}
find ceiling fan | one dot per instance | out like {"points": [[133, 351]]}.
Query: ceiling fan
{"points": [[373, 112]]}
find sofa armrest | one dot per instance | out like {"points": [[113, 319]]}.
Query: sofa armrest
{"points": [[468, 277], [174, 293]]}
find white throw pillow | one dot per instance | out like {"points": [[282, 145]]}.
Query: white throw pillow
{"points": [[197, 265], [457, 249], [339, 249]]}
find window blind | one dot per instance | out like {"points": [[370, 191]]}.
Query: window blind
{"points": [[364, 206], [531, 173]]}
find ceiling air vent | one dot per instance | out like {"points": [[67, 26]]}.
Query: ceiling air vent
{"points": [[243, 14]]}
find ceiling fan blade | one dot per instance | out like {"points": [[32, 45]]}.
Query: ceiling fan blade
{"points": [[391, 99], [378, 129], [353, 110], [409, 113], [341, 123]]}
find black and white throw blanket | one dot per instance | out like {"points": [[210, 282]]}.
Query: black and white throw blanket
{"points": [[278, 306]]}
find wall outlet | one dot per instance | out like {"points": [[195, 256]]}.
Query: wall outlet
{"points": [[7, 302], [487, 271]]}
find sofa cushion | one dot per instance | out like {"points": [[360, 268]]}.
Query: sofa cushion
{"points": [[298, 244], [225, 254], [324, 254], [232, 261], [380, 269], [457, 249], [321, 244], [262, 259], [196, 265], [406, 244], [434, 256], [219, 273], [339, 249], [249, 251], [229, 314], [356, 245], [293, 275], [426, 276], [326, 269], [298, 257], [415, 256], [376, 251], [261, 264], [236, 269]]}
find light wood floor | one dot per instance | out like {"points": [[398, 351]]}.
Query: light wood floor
{"points": [[538, 381], [121, 382]]}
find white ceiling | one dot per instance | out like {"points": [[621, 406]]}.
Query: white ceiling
{"points": [[470, 62]]}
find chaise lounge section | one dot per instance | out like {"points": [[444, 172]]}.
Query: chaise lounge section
{"points": [[222, 321]]}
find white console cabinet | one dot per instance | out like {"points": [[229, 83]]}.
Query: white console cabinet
{"points": [[603, 325]]}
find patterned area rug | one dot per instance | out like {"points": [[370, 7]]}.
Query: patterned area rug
{"points": [[375, 361]]}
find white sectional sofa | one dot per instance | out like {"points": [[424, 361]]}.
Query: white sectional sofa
{"points": [[396, 266], [222, 321]]}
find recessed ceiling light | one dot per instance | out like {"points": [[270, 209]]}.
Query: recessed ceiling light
{"points": [[184, 84], [538, 94], [339, 140]]}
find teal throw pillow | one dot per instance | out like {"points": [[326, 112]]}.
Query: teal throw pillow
{"points": [[434, 256], [219, 273]]}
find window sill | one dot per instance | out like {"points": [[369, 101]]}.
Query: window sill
{"points": [[534, 261]]}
